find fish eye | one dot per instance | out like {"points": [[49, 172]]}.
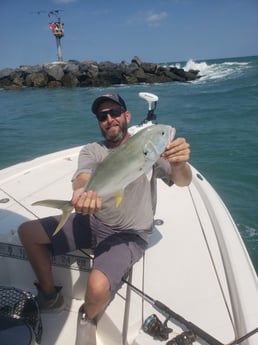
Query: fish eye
{"points": [[145, 153], [163, 133]]}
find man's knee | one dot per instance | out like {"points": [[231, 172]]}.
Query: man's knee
{"points": [[98, 284], [32, 231], [24, 229]]}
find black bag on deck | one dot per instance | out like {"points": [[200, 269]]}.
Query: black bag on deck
{"points": [[20, 321]]}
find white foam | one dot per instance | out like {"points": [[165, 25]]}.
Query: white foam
{"points": [[214, 70], [249, 232]]}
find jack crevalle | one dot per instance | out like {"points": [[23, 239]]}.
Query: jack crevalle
{"points": [[121, 167]]}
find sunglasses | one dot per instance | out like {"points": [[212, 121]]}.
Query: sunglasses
{"points": [[114, 112]]}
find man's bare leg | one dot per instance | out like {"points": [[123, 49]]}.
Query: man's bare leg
{"points": [[97, 295], [35, 240], [96, 299]]}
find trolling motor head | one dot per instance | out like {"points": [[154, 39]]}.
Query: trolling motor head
{"points": [[152, 103]]}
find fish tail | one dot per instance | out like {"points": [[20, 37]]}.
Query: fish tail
{"points": [[63, 205], [64, 217]]}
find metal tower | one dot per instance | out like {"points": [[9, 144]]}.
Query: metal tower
{"points": [[57, 28]]}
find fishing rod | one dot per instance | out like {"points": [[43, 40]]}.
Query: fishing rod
{"points": [[152, 324], [162, 307], [154, 327]]}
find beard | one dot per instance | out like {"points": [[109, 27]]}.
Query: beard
{"points": [[118, 134]]}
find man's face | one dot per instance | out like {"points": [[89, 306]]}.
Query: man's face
{"points": [[113, 121]]}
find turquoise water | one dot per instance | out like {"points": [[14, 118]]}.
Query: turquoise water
{"points": [[217, 114]]}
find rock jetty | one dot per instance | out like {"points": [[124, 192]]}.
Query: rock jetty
{"points": [[89, 73]]}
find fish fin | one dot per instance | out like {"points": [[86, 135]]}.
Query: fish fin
{"points": [[64, 205], [119, 197], [149, 174], [60, 204], [64, 217], [118, 200]]}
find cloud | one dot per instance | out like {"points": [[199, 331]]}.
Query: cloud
{"points": [[155, 18], [150, 17]]}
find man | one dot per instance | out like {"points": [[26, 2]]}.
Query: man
{"points": [[98, 224]]}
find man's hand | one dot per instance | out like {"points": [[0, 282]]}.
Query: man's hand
{"points": [[177, 151], [86, 202]]}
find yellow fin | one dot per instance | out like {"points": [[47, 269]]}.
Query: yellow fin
{"points": [[119, 198]]}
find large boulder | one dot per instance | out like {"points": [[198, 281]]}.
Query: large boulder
{"points": [[70, 80], [55, 72], [6, 72], [39, 79]]}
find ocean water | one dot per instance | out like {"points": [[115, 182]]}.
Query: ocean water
{"points": [[218, 114]]}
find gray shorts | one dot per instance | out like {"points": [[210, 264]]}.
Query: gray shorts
{"points": [[114, 252]]}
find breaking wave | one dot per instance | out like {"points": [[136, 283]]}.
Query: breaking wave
{"points": [[214, 70]]}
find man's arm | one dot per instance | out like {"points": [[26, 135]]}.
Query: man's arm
{"points": [[181, 174], [81, 181], [177, 153]]}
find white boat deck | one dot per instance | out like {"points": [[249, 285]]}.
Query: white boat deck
{"points": [[196, 263]]}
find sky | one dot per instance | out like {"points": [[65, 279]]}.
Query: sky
{"points": [[157, 31]]}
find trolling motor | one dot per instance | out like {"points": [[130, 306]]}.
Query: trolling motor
{"points": [[152, 102], [148, 121]]}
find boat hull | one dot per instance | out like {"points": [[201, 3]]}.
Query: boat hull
{"points": [[196, 263]]}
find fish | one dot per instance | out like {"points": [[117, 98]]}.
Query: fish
{"points": [[122, 166]]}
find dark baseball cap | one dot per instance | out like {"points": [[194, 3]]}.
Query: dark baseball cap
{"points": [[113, 97]]}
